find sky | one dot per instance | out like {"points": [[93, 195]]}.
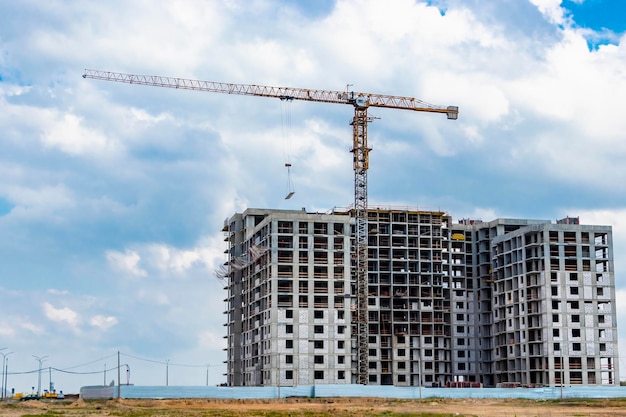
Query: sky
{"points": [[112, 196]]}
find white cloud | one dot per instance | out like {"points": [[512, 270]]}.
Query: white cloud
{"points": [[485, 214], [616, 218], [168, 259], [473, 134], [61, 315], [103, 322], [68, 135], [33, 328], [55, 291], [551, 9], [6, 329], [211, 340], [127, 262], [154, 296], [40, 201], [12, 90], [613, 217]]}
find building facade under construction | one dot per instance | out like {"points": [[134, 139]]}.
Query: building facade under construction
{"points": [[511, 302]]}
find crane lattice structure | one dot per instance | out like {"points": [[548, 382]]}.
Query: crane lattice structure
{"points": [[361, 102]]}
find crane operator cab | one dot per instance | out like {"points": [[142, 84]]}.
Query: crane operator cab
{"points": [[361, 102]]}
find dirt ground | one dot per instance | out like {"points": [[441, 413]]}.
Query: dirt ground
{"points": [[335, 407]]}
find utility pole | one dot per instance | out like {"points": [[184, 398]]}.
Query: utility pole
{"points": [[39, 359], [118, 374], [167, 371], [3, 356], [4, 372]]}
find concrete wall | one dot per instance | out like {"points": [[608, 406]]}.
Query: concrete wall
{"points": [[98, 392]]}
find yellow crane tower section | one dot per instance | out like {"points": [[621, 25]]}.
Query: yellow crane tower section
{"points": [[361, 102]]}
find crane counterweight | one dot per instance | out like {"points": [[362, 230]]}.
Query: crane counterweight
{"points": [[453, 112]]}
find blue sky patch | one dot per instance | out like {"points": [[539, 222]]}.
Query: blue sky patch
{"points": [[604, 17], [5, 206], [316, 8], [599, 14]]}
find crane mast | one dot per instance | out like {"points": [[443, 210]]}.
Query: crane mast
{"points": [[360, 149]]}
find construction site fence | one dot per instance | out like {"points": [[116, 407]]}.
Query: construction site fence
{"points": [[345, 390]]}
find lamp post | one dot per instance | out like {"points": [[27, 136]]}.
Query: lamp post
{"points": [[6, 375], [5, 366], [1, 349], [39, 359]]}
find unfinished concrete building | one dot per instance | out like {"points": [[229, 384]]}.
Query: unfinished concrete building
{"points": [[501, 303], [554, 317], [288, 306]]}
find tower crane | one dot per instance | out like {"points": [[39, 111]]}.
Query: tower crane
{"points": [[361, 102]]}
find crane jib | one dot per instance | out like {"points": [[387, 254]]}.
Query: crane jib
{"points": [[357, 99]]}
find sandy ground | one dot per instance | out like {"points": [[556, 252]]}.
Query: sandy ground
{"points": [[335, 407]]}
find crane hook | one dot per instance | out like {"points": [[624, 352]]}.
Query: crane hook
{"points": [[290, 191]]}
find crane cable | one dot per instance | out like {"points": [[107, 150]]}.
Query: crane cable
{"points": [[286, 131]]}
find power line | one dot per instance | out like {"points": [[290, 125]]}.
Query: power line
{"points": [[68, 370], [89, 363], [167, 362], [23, 372], [87, 372]]}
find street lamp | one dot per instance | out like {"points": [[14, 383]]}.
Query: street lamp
{"points": [[39, 359], [5, 366], [1, 349]]}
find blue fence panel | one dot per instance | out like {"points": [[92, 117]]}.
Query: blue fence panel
{"points": [[353, 390]]}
